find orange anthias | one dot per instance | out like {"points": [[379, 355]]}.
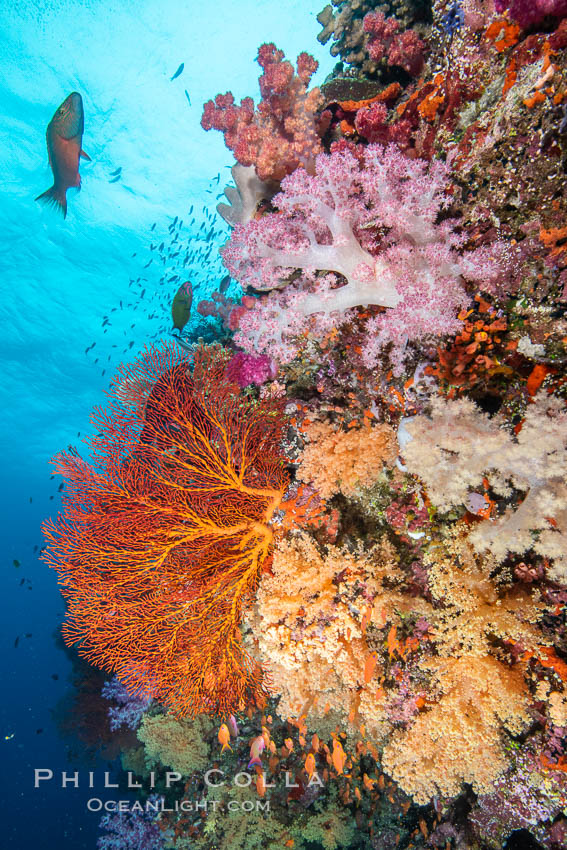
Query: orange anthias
{"points": [[162, 540]]}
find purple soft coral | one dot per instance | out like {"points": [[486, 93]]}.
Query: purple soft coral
{"points": [[130, 707], [135, 830]]}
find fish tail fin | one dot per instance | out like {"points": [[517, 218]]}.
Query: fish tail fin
{"points": [[226, 747], [253, 761], [55, 197]]}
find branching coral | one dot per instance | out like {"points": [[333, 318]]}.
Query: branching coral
{"points": [[282, 133], [345, 460], [459, 445], [162, 539]]}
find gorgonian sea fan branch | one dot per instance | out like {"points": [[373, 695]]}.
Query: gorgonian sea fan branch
{"points": [[162, 539]]}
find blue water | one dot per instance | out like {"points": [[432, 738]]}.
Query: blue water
{"points": [[60, 279]]}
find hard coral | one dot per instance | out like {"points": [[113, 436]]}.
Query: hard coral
{"points": [[162, 540], [282, 133]]}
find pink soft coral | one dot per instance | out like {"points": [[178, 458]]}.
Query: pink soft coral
{"points": [[282, 133], [530, 12], [373, 220], [404, 49]]}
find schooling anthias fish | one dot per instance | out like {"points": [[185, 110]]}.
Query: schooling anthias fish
{"points": [[64, 139]]}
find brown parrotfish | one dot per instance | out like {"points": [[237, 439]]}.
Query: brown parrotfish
{"points": [[64, 139]]}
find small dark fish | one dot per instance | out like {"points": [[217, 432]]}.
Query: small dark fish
{"points": [[181, 306], [178, 72], [35, 548], [16, 562], [62, 486], [161, 246], [224, 284], [174, 221], [28, 635], [148, 264], [187, 96], [16, 642], [55, 677], [153, 227], [31, 500], [64, 139], [23, 581], [38, 731], [114, 173], [115, 179]]}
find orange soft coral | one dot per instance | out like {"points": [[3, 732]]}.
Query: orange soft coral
{"points": [[162, 540], [345, 460]]}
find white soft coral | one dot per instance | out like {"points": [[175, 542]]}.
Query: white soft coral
{"points": [[459, 445]]}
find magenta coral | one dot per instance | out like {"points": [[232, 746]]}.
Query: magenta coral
{"points": [[530, 12], [282, 133], [248, 369], [403, 49]]}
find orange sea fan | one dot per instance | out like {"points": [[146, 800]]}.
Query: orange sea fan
{"points": [[162, 538]]}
